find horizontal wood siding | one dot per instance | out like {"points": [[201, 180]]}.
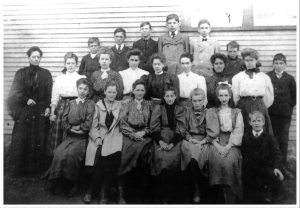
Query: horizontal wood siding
{"points": [[65, 27]]}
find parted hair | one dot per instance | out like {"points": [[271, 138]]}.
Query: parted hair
{"points": [[249, 52], [233, 44], [139, 82], [195, 92], [32, 49], [110, 83], [219, 56], [71, 55], [257, 114], [172, 16], [228, 88], [279, 57], [186, 55], [203, 21], [134, 52], [84, 81], [106, 51], [145, 23], [93, 40], [119, 29], [159, 56]]}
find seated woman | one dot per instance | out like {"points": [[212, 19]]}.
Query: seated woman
{"points": [[103, 154], [68, 156], [218, 61], [224, 154], [194, 157], [157, 82], [135, 120], [167, 127]]}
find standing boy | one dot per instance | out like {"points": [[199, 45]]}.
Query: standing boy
{"points": [[262, 163], [173, 44], [203, 48], [90, 62], [234, 64], [147, 46], [119, 62], [282, 108]]}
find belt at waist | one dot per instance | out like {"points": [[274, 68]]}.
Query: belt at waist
{"points": [[68, 98], [194, 134], [252, 97]]}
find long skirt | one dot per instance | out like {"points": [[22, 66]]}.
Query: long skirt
{"points": [[68, 158], [226, 170], [133, 153], [165, 159], [247, 105], [56, 136], [191, 151]]}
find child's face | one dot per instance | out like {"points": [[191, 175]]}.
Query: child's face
{"points": [[139, 92], [157, 65], [170, 97], [224, 97], [146, 31], [134, 62], [119, 38], [232, 52], [70, 65], [111, 93], [83, 90], [279, 65], [219, 65], [94, 47], [197, 101], [35, 58], [204, 29], [104, 61], [250, 62], [257, 123], [173, 25], [186, 64]]}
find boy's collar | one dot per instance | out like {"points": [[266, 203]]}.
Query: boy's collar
{"points": [[122, 46], [176, 33], [204, 37], [80, 100], [259, 133]]}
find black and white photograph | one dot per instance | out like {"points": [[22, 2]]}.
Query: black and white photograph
{"points": [[187, 103]]}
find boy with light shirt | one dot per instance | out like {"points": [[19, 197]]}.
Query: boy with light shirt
{"points": [[147, 46], [173, 44], [262, 163], [119, 62], [203, 48], [90, 62]]}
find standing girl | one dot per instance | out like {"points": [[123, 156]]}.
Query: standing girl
{"points": [[63, 91], [167, 127]]}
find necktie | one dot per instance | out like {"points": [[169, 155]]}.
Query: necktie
{"points": [[104, 75], [146, 41], [251, 71], [173, 34], [204, 39], [278, 75], [119, 47], [256, 135]]}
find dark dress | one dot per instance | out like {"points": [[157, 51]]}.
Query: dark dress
{"points": [[119, 62], [31, 126], [212, 84], [233, 67], [135, 153], [88, 65], [148, 48], [167, 124], [157, 83], [68, 156]]}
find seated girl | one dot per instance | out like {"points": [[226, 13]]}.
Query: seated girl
{"points": [[68, 156]]}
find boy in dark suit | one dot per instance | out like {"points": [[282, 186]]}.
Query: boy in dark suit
{"points": [[90, 62], [119, 62], [147, 46], [262, 163], [282, 108], [203, 48], [173, 44], [234, 64]]}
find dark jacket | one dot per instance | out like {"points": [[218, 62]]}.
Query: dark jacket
{"points": [[284, 94], [88, 65], [119, 62], [261, 153], [147, 51]]}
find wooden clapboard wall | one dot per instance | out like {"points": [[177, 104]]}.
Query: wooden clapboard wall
{"points": [[65, 27]]}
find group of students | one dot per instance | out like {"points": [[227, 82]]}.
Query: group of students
{"points": [[159, 109]]}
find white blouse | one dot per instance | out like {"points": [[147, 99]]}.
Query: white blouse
{"points": [[65, 86], [129, 76], [260, 85], [236, 135], [189, 82]]}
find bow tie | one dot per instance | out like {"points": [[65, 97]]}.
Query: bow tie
{"points": [[204, 39], [251, 71]]}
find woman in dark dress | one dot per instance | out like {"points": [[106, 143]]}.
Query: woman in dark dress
{"points": [[135, 121], [167, 127], [218, 61], [68, 156], [29, 104]]}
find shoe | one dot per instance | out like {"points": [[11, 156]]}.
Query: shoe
{"points": [[196, 197], [287, 173], [103, 196], [121, 199], [87, 198]]}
